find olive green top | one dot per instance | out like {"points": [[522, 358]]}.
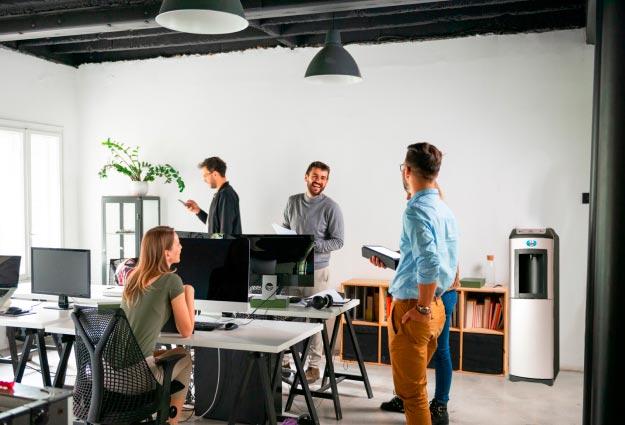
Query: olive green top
{"points": [[152, 310]]}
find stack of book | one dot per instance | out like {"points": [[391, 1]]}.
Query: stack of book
{"points": [[486, 314]]}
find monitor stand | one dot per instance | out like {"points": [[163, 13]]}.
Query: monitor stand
{"points": [[63, 304]]}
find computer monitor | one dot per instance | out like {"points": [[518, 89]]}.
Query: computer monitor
{"points": [[218, 270], [9, 276], [290, 258], [62, 272]]}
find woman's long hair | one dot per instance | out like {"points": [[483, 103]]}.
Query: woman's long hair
{"points": [[152, 262]]}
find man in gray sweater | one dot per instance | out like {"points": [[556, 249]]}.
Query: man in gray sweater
{"points": [[313, 213]]}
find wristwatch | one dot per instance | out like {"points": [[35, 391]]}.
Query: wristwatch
{"points": [[423, 310]]}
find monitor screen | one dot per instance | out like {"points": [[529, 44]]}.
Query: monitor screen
{"points": [[218, 269], [290, 257], [63, 272], [9, 270]]}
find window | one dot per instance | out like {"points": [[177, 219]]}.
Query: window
{"points": [[30, 198]]}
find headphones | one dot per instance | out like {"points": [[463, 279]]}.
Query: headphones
{"points": [[320, 302]]}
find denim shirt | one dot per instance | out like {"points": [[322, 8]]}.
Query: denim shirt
{"points": [[428, 246]]}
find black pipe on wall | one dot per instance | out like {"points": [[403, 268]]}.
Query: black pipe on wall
{"points": [[606, 283]]}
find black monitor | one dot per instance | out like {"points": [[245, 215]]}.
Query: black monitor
{"points": [[62, 272], [291, 258], [9, 276], [218, 270]]}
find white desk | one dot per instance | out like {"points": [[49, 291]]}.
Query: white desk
{"points": [[35, 325], [257, 337]]}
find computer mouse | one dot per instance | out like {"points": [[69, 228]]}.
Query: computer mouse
{"points": [[14, 310], [230, 326], [294, 300]]}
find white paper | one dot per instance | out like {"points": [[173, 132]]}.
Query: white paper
{"points": [[336, 297], [282, 230], [385, 251]]}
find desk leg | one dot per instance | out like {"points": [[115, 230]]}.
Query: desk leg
{"points": [[43, 358], [265, 383], [21, 364], [361, 364], [307, 395], [330, 368], [335, 333], [59, 378], [11, 332], [292, 391], [246, 377]]}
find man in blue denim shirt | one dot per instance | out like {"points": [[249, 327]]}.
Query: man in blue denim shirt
{"points": [[427, 268]]}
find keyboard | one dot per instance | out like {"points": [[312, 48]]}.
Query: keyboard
{"points": [[207, 326]]}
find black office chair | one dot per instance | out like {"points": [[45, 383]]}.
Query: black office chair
{"points": [[114, 384]]}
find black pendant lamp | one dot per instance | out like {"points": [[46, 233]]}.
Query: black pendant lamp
{"points": [[202, 16], [333, 64]]}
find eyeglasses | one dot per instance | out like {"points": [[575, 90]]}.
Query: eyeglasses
{"points": [[402, 167]]}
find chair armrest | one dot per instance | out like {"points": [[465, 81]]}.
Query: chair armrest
{"points": [[168, 361]]}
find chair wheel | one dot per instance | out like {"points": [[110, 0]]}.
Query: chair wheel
{"points": [[173, 411]]}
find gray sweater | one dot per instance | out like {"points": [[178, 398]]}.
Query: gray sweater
{"points": [[319, 216]]}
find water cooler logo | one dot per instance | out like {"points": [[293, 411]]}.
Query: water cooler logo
{"points": [[531, 243], [269, 286]]}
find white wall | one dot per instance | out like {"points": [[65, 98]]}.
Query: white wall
{"points": [[39, 92], [511, 113], [36, 91]]}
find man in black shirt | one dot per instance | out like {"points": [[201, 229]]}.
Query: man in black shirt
{"points": [[223, 215]]}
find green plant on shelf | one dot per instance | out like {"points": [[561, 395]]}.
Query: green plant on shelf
{"points": [[125, 160]]}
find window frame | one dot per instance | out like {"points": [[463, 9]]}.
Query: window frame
{"points": [[28, 129]]}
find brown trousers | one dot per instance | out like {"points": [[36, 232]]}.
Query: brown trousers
{"points": [[412, 345]]}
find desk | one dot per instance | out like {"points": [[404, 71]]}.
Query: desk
{"points": [[329, 375], [35, 325], [258, 337]]}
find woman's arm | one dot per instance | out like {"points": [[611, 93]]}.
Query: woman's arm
{"points": [[183, 307]]}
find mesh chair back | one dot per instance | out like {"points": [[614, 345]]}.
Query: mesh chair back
{"points": [[114, 384]]}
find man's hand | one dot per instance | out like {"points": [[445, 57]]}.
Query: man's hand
{"points": [[377, 262], [413, 314], [192, 206]]}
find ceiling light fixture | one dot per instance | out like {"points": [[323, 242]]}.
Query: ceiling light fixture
{"points": [[202, 16], [333, 64]]}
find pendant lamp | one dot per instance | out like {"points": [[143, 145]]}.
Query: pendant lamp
{"points": [[333, 64], [202, 16]]}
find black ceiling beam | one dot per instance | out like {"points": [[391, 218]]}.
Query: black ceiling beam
{"points": [[357, 24], [77, 22], [503, 25], [431, 17], [142, 16], [98, 57], [396, 10], [170, 40], [115, 35], [286, 41]]}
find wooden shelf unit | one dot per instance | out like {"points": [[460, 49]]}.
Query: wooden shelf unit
{"points": [[476, 339]]}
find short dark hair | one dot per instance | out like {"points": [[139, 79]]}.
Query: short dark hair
{"points": [[425, 159], [214, 163], [318, 164]]}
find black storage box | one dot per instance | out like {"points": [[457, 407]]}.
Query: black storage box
{"points": [[482, 353], [367, 340]]}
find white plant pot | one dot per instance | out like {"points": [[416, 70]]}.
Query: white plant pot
{"points": [[138, 188]]}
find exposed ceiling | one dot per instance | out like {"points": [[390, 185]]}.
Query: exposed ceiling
{"points": [[75, 32]]}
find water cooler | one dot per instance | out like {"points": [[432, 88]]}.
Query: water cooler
{"points": [[534, 306]]}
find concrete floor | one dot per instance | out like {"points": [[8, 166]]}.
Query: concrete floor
{"points": [[475, 399]]}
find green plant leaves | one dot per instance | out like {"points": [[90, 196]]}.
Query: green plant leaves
{"points": [[125, 160]]}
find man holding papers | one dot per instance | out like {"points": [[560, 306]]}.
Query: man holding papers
{"points": [[427, 268], [313, 213]]}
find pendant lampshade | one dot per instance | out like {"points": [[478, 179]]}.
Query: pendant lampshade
{"points": [[333, 64], [202, 16]]}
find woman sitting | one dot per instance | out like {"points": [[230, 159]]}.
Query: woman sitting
{"points": [[151, 295]]}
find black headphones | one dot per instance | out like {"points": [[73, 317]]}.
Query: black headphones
{"points": [[320, 301]]}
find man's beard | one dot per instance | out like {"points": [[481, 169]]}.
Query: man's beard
{"points": [[312, 192]]}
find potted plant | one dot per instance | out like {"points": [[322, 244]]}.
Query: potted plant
{"points": [[125, 160]]}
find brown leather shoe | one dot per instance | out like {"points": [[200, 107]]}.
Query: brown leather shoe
{"points": [[312, 374]]}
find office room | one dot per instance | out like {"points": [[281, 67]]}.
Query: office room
{"points": [[311, 212]]}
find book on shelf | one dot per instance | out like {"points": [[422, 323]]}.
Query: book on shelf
{"points": [[376, 305], [369, 308]]}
